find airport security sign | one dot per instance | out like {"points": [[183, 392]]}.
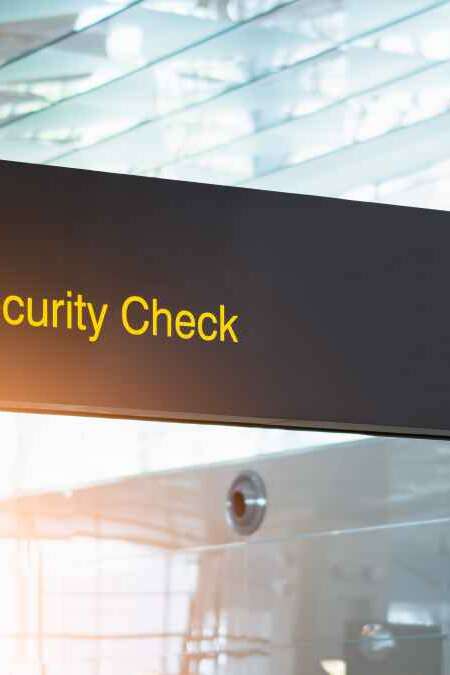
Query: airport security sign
{"points": [[154, 299]]}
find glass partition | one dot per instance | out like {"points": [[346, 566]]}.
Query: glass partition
{"points": [[128, 564]]}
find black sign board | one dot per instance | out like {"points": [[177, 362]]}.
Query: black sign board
{"points": [[156, 299]]}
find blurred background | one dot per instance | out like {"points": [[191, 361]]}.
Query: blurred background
{"points": [[117, 556]]}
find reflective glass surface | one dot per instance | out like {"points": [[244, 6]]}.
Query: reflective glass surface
{"points": [[268, 94], [347, 574], [260, 134], [106, 49], [222, 97], [27, 26]]}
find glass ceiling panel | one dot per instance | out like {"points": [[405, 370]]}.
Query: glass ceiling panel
{"points": [[310, 124], [27, 25], [249, 75], [421, 96], [101, 51], [394, 154], [428, 188], [291, 117]]}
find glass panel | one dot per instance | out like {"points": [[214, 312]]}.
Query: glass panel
{"points": [[301, 133], [384, 158], [250, 130], [238, 70], [34, 458], [100, 51], [347, 575], [422, 189], [26, 26], [373, 603]]}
